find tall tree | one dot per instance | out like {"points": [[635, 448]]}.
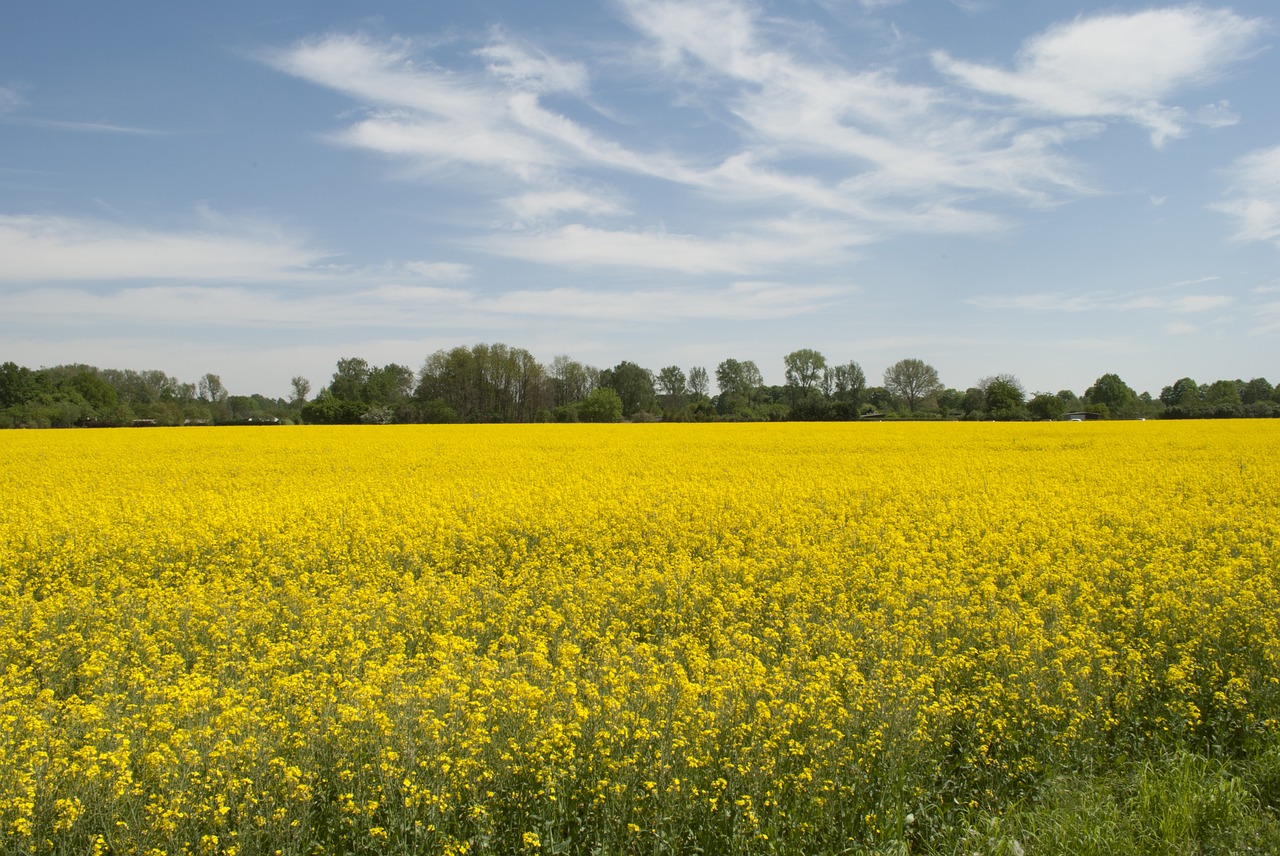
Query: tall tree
{"points": [[349, 380], [301, 386], [738, 377], [699, 382], [804, 371], [1003, 396], [571, 380], [848, 383], [671, 381], [1112, 393], [211, 388], [913, 382], [1046, 405], [634, 386]]}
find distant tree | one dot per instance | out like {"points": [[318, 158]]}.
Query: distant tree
{"points": [[738, 377], [1003, 396], [880, 399], [1182, 399], [913, 382], [847, 385], [301, 387], [570, 380], [18, 385], [1222, 398], [349, 380], [633, 384], [328, 409], [1113, 394], [974, 403], [671, 381], [699, 382], [951, 402], [1046, 405], [602, 404], [1256, 390], [389, 385], [211, 388], [804, 372]]}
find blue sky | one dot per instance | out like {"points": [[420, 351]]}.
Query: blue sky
{"points": [[1049, 189]]}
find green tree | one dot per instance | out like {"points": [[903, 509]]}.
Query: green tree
{"points": [[738, 377], [1182, 399], [848, 385], [571, 380], [211, 388], [1046, 405], [671, 381], [1256, 390], [349, 380], [301, 387], [18, 385], [602, 404], [912, 382], [1003, 396], [804, 372], [1113, 394], [699, 382], [633, 384], [1222, 398]]}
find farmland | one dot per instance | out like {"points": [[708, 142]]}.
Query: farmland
{"points": [[634, 638]]}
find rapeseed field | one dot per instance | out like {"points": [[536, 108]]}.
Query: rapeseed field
{"points": [[621, 639]]}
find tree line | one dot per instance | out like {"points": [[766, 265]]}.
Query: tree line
{"points": [[499, 383]]}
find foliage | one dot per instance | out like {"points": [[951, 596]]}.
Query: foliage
{"points": [[634, 386], [913, 382], [1113, 396], [602, 404], [725, 639]]}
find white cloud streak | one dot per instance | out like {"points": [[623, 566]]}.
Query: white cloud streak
{"points": [[44, 249], [782, 243], [39, 248], [1121, 66], [1102, 301], [1254, 196]]}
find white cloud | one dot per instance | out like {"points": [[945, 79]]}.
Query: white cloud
{"points": [[9, 99], [901, 157], [1096, 301], [1254, 200], [544, 204], [38, 248], [532, 69], [1193, 303], [1120, 65], [741, 301], [774, 244], [890, 139]]}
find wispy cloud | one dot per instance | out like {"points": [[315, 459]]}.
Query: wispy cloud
{"points": [[87, 127], [9, 99], [1253, 200], [850, 151], [893, 155], [38, 248], [740, 301], [539, 205], [1121, 66], [783, 242], [890, 139], [402, 306], [1103, 301]]}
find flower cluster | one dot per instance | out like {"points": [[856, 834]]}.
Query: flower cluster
{"points": [[740, 638]]}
